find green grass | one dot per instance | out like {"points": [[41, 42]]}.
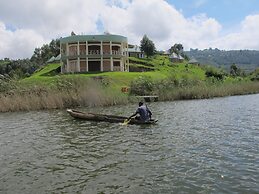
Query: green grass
{"points": [[46, 69], [157, 61], [116, 79], [47, 89], [147, 68], [163, 69]]}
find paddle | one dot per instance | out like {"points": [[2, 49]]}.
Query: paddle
{"points": [[126, 121]]}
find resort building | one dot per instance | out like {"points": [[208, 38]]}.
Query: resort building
{"points": [[91, 53], [135, 51]]}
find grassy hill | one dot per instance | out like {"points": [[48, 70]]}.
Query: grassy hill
{"points": [[48, 89], [162, 68]]}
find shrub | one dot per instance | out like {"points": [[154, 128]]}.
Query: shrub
{"points": [[212, 72], [143, 85], [7, 85]]}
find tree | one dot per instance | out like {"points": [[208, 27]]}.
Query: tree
{"points": [[36, 57], [54, 46], [147, 46], [43, 54], [235, 71], [177, 48], [25, 67]]}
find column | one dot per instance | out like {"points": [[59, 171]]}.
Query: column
{"points": [[101, 48], [86, 48], [87, 64], [111, 64], [101, 53], [67, 50], [110, 47], [67, 69], [122, 49], [101, 63], [121, 67], [78, 48], [78, 64], [127, 56]]}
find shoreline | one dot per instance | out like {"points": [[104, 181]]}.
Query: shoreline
{"points": [[93, 95]]}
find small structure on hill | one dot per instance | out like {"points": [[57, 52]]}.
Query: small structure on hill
{"points": [[54, 59], [175, 58], [134, 51], [58, 58], [51, 59], [193, 61]]}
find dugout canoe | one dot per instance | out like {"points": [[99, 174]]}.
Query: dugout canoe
{"points": [[105, 118]]}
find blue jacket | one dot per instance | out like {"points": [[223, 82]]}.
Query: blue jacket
{"points": [[144, 112]]}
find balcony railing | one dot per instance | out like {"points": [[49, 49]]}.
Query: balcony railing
{"points": [[114, 52], [95, 52]]}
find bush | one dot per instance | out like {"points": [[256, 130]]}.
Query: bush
{"points": [[7, 84], [143, 85], [212, 72]]}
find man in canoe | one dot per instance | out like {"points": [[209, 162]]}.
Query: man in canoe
{"points": [[144, 113]]}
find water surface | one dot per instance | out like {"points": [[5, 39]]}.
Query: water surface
{"points": [[198, 146]]}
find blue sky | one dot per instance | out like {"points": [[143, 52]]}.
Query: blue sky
{"points": [[222, 24], [227, 12]]}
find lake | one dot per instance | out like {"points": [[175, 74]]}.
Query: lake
{"points": [[197, 146]]}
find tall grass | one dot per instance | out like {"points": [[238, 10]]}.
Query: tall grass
{"points": [[79, 91], [204, 91], [66, 93], [191, 88]]}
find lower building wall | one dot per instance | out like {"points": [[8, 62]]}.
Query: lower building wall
{"points": [[117, 66], [72, 66], [83, 66], [88, 65], [106, 65]]}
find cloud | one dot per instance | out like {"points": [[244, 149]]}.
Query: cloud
{"points": [[37, 22], [53, 18], [40, 21], [199, 3], [245, 38], [161, 22], [119, 3], [18, 44]]}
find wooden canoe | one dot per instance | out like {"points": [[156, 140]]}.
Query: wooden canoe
{"points": [[106, 118]]}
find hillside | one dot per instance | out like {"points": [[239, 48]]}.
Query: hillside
{"points": [[48, 89], [245, 59], [157, 68]]}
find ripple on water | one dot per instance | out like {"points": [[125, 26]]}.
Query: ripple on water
{"points": [[199, 146]]}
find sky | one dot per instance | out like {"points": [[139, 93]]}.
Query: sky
{"points": [[223, 24]]}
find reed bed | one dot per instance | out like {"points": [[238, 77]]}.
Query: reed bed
{"points": [[205, 91], [66, 94], [76, 92]]}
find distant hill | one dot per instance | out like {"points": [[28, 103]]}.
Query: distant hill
{"points": [[245, 59]]}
